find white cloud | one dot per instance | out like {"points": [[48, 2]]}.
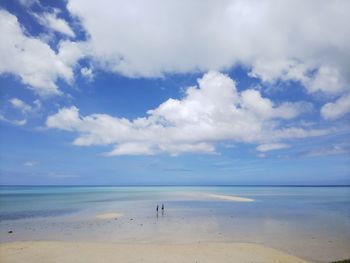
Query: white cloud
{"points": [[333, 150], [55, 23], [18, 122], [65, 119], [306, 41], [87, 73], [328, 80], [263, 107], [337, 109], [15, 122], [20, 105], [211, 112], [26, 111], [271, 147], [29, 58], [132, 148], [70, 52]]}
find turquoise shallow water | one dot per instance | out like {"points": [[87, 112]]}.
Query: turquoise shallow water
{"points": [[18, 202], [311, 222]]}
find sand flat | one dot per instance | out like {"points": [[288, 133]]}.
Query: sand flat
{"points": [[76, 252], [109, 216], [231, 198]]}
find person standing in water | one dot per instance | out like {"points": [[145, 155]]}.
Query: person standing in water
{"points": [[162, 209]]}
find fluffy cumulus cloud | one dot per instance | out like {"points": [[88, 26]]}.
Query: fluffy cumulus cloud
{"points": [[31, 59], [303, 41], [337, 109], [299, 40], [211, 112], [293, 40]]}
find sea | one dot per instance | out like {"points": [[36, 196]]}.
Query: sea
{"points": [[312, 222]]}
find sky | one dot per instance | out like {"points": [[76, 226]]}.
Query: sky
{"points": [[174, 92]]}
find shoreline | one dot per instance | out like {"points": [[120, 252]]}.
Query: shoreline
{"points": [[66, 252]]}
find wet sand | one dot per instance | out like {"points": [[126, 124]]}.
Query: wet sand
{"points": [[66, 252], [108, 216]]}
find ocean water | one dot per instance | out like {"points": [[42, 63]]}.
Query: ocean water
{"points": [[310, 222]]}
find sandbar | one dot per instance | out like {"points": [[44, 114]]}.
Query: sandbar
{"points": [[231, 198]]}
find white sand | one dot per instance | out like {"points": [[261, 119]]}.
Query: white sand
{"points": [[231, 198], [76, 252], [109, 216]]}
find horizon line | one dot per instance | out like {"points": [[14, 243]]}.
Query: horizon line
{"points": [[175, 185]]}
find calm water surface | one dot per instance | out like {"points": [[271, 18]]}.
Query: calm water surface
{"points": [[310, 222]]}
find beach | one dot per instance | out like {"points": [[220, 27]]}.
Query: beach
{"points": [[67, 252], [199, 224]]}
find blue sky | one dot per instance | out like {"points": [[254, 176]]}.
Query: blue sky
{"points": [[236, 92]]}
